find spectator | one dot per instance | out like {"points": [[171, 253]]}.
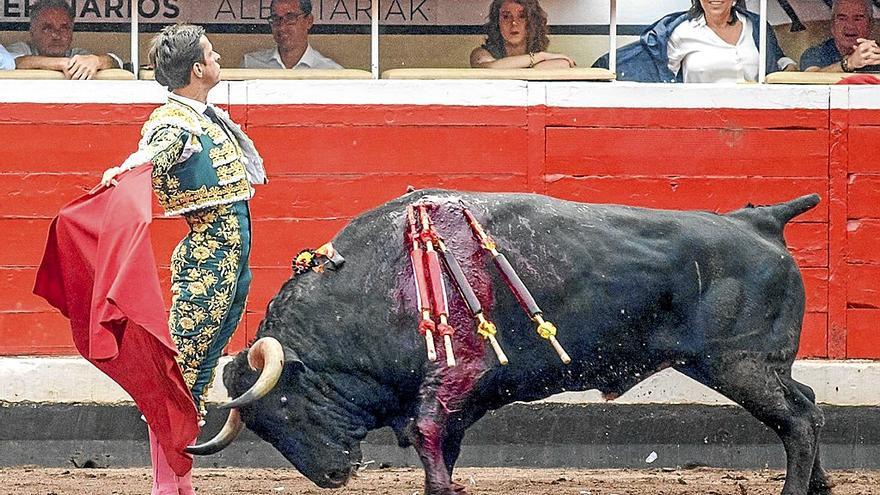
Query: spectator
{"points": [[516, 38], [51, 34], [715, 41], [290, 21], [7, 62], [850, 47]]}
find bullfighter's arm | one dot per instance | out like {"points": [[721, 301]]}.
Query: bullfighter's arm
{"points": [[164, 148]]}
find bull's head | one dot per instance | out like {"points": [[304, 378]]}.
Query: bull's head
{"points": [[296, 416]]}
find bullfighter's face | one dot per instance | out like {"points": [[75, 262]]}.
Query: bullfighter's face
{"points": [[309, 429]]}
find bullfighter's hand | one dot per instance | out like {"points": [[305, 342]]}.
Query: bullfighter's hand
{"points": [[83, 67], [109, 177]]}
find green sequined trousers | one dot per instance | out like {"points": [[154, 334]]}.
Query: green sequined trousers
{"points": [[210, 278]]}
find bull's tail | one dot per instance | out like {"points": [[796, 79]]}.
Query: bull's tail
{"points": [[784, 212], [772, 219]]}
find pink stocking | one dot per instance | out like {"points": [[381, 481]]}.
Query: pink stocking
{"points": [[164, 479]]}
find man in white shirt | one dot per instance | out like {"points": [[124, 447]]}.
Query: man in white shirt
{"points": [[51, 33], [291, 21]]}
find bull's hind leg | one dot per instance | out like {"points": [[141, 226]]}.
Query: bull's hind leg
{"points": [[779, 402], [819, 484]]}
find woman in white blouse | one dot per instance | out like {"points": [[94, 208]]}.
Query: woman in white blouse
{"points": [[717, 44]]}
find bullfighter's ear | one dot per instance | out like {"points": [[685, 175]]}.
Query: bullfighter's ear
{"points": [[292, 360]]}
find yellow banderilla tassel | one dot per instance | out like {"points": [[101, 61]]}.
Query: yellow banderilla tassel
{"points": [[547, 331], [487, 330]]}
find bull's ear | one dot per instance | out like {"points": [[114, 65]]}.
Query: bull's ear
{"points": [[292, 360]]}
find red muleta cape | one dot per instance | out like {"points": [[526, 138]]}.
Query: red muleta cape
{"points": [[99, 271]]}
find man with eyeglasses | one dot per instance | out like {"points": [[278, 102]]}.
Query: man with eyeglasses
{"points": [[290, 21], [51, 36]]}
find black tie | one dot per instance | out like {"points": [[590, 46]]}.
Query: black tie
{"points": [[209, 111], [212, 115]]}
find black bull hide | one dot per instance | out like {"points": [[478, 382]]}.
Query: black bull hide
{"points": [[632, 290]]}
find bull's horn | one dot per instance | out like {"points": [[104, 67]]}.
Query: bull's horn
{"points": [[222, 440], [266, 354]]}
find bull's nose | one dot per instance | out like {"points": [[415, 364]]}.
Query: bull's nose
{"points": [[337, 478]]}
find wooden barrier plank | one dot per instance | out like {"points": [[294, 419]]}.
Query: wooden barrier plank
{"points": [[863, 149], [44, 333], [67, 114], [816, 288], [348, 150], [814, 336], [863, 196], [862, 236], [688, 118], [239, 338], [864, 116], [253, 324], [322, 196], [266, 283], [16, 291], [384, 115], [40, 195], [863, 287], [808, 243], [719, 194], [24, 240], [86, 147], [276, 242], [863, 333], [838, 160], [693, 152]]}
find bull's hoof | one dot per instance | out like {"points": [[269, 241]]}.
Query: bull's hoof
{"points": [[452, 489], [822, 487]]}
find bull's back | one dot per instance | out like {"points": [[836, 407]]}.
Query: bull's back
{"points": [[627, 287]]}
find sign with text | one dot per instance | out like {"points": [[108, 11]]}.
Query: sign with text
{"points": [[392, 12]]}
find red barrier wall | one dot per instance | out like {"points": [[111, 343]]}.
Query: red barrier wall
{"points": [[328, 163]]}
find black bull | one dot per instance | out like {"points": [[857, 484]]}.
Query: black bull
{"points": [[632, 291]]}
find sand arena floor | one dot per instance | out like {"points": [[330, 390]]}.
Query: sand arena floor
{"points": [[408, 481]]}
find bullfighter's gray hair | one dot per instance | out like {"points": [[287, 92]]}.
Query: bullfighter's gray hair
{"points": [[174, 51]]}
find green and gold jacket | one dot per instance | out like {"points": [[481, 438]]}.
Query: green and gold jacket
{"points": [[197, 163]]}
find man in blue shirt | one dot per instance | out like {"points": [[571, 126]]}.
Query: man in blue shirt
{"points": [[850, 47]]}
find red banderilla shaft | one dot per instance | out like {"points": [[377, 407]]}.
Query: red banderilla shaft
{"points": [[438, 288], [417, 258]]}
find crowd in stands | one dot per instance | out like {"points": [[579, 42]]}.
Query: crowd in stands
{"points": [[714, 41]]}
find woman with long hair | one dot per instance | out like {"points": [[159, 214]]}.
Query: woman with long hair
{"points": [[516, 38]]}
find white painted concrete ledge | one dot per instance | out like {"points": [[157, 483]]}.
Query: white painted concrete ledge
{"points": [[74, 380]]}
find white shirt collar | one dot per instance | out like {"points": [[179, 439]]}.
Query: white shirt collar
{"points": [[194, 104], [309, 58]]}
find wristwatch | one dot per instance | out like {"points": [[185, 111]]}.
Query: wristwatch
{"points": [[844, 64]]}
